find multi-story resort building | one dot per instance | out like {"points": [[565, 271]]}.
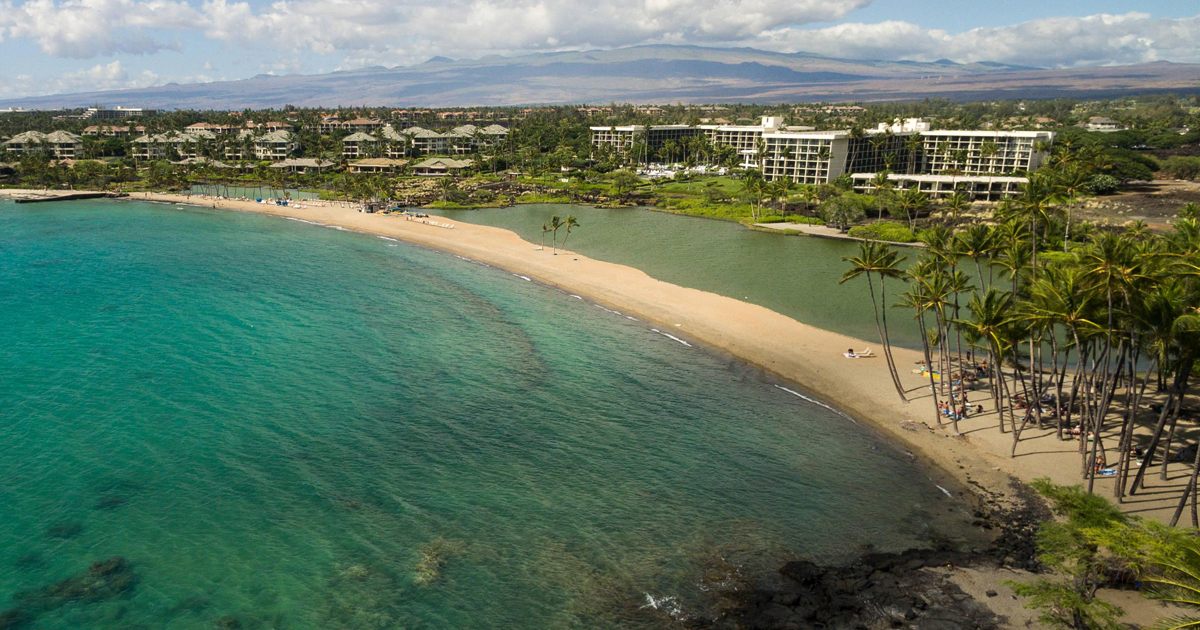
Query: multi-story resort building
{"points": [[984, 152], [63, 145], [989, 188], [939, 162], [113, 131], [191, 145], [275, 146], [746, 139], [622, 138], [116, 113], [359, 145]]}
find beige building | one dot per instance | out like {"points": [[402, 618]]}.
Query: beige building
{"points": [[359, 145], [275, 146], [62, 145]]}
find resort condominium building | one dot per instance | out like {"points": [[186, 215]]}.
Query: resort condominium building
{"points": [[984, 152], [818, 157], [622, 138], [745, 139]]}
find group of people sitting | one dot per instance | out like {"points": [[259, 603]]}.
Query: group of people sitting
{"points": [[960, 412]]}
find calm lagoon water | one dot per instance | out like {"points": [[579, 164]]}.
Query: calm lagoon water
{"points": [[308, 428], [796, 276]]}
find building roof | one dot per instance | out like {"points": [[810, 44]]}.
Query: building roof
{"points": [[26, 136], [443, 163], [379, 162], [203, 161], [420, 132], [276, 136], [360, 137], [302, 162]]}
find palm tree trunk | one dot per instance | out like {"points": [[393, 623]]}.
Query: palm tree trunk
{"points": [[887, 343], [1189, 492], [1181, 376], [929, 368], [883, 339]]}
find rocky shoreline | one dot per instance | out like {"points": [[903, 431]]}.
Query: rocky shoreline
{"points": [[886, 590]]}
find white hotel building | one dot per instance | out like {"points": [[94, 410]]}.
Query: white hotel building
{"points": [[984, 163]]}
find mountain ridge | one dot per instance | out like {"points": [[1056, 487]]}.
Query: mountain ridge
{"points": [[645, 73]]}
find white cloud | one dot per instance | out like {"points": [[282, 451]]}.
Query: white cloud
{"points": [[284, 34], [83, 29], [110, 76], [1051, 42]]}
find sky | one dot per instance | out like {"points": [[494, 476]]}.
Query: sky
{"points": [[64, 46]]}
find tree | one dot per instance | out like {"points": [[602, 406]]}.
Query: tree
{"points": [[624, 181], [555, 225], [878, 259], [841, 211], [1078, 549], [568, 224]]}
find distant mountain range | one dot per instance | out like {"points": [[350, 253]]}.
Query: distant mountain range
{"points": [[646, 74]]}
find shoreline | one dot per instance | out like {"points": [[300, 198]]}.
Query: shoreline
{"points": [[977, 462], [814, 364]]}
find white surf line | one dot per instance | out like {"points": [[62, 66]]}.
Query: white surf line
{"points": [[816, 402], [607, 310], [387, 238], [633, 318], [525, 278], [304, 221], [944, 490], [670, 336], [575, 296]]}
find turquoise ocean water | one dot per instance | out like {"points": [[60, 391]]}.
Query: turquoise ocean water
{"points": [[301, 427]]}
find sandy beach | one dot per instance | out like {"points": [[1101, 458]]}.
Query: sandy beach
{"points": [[810, 358], [974, 466]]}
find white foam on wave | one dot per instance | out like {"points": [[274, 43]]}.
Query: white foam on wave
{"points": [[576, 296], [387, 238], [525, 278], [944, 490], [608, 310], [816, 402], [670, 336], [304, 221]]}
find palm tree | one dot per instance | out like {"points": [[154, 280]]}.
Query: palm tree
{"points": [[568, 224], [914, 144], [1071, 183], [555, 224], [878, 258], [880, 185], [990, 317], [956, 203], [913, 201], [545, 228]]}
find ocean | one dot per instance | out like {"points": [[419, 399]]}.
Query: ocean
{"points": [[279, 425]]}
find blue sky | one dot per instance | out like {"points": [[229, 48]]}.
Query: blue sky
{"points": [[55, 46]]}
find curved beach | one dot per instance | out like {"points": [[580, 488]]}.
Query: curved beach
{"points": [[808, 356]]}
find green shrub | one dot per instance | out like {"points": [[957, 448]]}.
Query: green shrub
{"points": [[1103, 184], [802, 220], [886, 231], [772, 218]]}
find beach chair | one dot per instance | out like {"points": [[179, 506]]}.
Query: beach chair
{"points": [[864, 353]]}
